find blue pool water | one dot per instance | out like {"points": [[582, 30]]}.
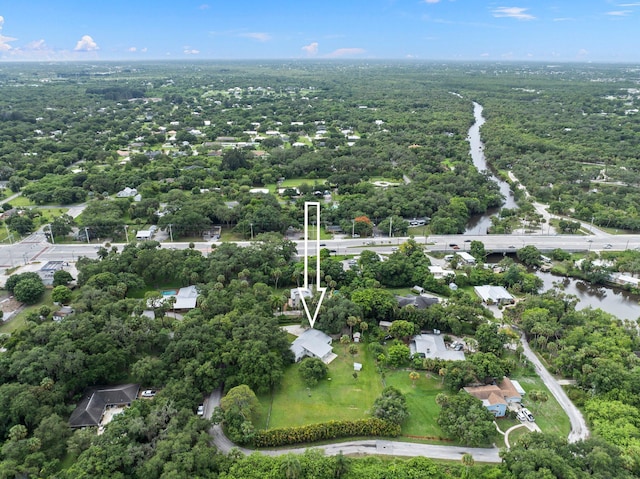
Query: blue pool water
{"points": [[169, 292]]}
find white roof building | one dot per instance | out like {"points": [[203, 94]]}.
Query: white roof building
{"points": [[432, 346], [624, 279], [185, 298], [295, 298], [493, 294], [438, 272], [315, 344], [127, 192], [466, 257]]}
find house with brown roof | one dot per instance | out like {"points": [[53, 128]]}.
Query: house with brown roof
{"points": [[496, 397]]}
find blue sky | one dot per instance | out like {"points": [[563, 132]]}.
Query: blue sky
{"points": [[538, 30]]}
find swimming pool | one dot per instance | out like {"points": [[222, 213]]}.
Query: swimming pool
{"points": [[170, 292]]}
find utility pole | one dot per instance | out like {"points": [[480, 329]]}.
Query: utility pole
{"points": [[171, 232], [86, 231], [8, 234], [53, 241], [251, 224], [126, 232], [353, 228], [390, 226]]}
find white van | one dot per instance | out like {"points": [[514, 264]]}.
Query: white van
{"points": [[528, 414]]}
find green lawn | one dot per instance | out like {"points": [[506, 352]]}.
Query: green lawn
{"points": [[49, 214], [18, 322], [21, 201], [549, 415], [296, 182], [341, 397], [421, 400]]}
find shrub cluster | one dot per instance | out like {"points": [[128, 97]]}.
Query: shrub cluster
{"points": [[326, 430]]}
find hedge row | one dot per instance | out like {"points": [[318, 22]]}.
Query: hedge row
{"points": [[326, 430]]}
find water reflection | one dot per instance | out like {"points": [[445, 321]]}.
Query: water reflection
{"points": [[618, 302], [479, 224]]}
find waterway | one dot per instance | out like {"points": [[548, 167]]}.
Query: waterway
{"points": [[618, 302], [479, 224]]}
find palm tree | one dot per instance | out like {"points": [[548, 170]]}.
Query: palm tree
{"points": [[468, 461], [441, 398], [341, 466], [276, 274], [352, 321], [442, 372], [291, 467]]}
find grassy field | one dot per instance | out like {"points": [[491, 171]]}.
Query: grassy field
{"points": [[341, 397], [18, 322], [421, 400], [21, 201], [549, 415], [296, 182]]}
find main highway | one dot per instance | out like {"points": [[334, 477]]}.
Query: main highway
{"points": [[36, 247]]}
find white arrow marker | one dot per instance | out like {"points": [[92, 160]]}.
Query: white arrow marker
{"points": [[302, 291]]}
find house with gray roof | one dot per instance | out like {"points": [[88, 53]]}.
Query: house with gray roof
{"points": [[314, 344], [419, 302], [91, 408], [433, 346], [494, 294]]}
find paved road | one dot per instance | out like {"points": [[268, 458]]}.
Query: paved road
{"points": [[579, 429], [35, 247], [374, 446]]}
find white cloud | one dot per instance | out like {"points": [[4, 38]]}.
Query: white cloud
{"points": [[143, 50], [582, 54], [346, 52], [431, 1], [311, 49], [36, 45], [484, 55], [629, 5], [86, 44], [518, 13], [190, 51], [4, 40], [619, 13], [132, 49], [260, 36], [204, 6]]}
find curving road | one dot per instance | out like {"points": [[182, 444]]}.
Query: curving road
{"points": [[579, 428], [374, 446]]}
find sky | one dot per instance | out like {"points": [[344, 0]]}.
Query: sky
{"points": [[516, 30]]}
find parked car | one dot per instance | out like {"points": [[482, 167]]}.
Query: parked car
{"points": [[201, 410], [521, 416], [608, 246], [149, 393], [528, 414]]}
